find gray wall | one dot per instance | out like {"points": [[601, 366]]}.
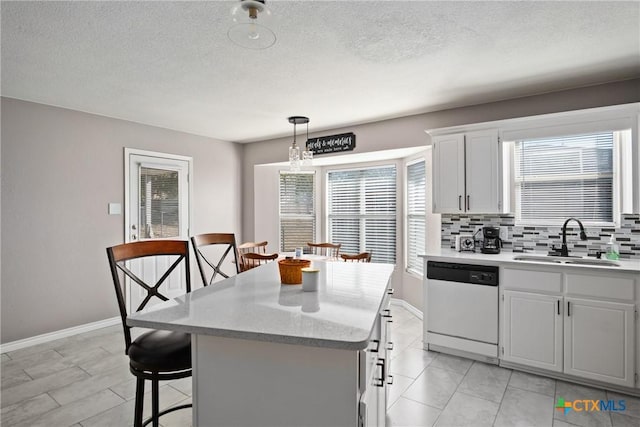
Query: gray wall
{"points": [[60, 169], [410, 132]]}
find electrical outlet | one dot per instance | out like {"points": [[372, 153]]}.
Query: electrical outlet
{"points": [[504, 233]]}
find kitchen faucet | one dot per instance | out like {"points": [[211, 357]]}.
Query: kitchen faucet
{"points": [[564, 251]]}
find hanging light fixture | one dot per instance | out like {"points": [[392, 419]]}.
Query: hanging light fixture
{"points": [[294, 150], [250, 30]]}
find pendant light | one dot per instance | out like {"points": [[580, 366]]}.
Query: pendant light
{"points": [[250, 29], [294, 150]]}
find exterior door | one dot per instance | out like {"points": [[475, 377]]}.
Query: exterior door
{"points": [[156, 207]]}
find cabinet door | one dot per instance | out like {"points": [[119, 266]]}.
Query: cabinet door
{"points": [[482, 172], [448, 174], [532, 331], [599, 341]]}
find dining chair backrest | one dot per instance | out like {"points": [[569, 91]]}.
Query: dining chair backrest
{"points": [[204, 246], [331, 250], [250, 247], [120, 254], [361, 257], [251, 260]]}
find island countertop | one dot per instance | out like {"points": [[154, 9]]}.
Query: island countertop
{"points": [[254, 305]]}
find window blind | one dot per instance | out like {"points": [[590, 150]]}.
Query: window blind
{"points": [[159, 203], [416, 211], [362, 211], [297, 210], [558, 178]]}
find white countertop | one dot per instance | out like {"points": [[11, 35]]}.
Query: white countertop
{"points": [[254, 305], [504, 257]]}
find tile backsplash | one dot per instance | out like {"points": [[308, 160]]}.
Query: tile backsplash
{"points": [[540, 238]]}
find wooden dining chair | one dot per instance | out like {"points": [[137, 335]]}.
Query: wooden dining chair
{"points": [[204, 245], [250, 247], [154, 355], [252, 260], [361, 257], [331, 250]]}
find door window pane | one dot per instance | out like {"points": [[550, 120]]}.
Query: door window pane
{"points": [[159, 203]]}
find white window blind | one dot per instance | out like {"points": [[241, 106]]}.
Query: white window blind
{"points": [[416, 211], [558, 178], [362, 211], [297, 210]]}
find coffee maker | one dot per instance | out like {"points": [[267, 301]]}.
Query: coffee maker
{"points": [[491, 242]]}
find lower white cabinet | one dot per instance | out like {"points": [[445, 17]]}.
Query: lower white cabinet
{"points": [[599, 340], [584, 337], [533, 330]]}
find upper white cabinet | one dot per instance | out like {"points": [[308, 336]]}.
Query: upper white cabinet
{"points": [[466, 173]]}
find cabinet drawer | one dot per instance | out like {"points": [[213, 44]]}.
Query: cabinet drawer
{"points": [[600, 286], [540, 281]]}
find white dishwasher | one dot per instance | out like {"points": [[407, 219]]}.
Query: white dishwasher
{"points": [[462, 308]]}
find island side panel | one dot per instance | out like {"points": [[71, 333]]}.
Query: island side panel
{"points": [[255, 383]]}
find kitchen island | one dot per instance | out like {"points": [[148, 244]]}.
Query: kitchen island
{"points": [[266, 354]]}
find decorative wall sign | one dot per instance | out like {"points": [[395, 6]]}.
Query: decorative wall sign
{"points": [[332, 143]]}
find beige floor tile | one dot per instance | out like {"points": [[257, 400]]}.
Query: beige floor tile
{"points": [[464, 410], [535, 383], [50, 367], [452, 363], [632, 404], [15, 377], [76, 411], [4, 358], [112, 361], [179, 418], [79, 389], [33, 388], [183, 385], [399, 386], [571, 392], [521, 408], [485, 381], [409, 413], [411, 362], [434, 387], [30, 360], [622, 420], [26, 409]]}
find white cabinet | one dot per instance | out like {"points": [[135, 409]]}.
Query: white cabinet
{"points": [[532, 332], [466, 173], [599, 341], [571, 329]]}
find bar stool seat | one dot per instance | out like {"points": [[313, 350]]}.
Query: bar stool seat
{"points": [[161, 351]]}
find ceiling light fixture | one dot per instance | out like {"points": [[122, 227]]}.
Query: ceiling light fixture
{"points": [[294, 150], [250, 30]]}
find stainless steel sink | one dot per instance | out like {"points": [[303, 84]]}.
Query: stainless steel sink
{"points": [[586, 261], [537, 258], [566, 260]]}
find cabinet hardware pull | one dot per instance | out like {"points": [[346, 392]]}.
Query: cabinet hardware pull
{"points": [[468, 202], [568, 308], [459, 202], [386, 313], [390, 346], [377, 347], [390, 379], [558, 307], [391, 291], [379, 382]]}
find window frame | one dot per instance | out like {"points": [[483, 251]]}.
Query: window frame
{"points": [[407, 216], [314, 197], [326, 215], [621, 179]]}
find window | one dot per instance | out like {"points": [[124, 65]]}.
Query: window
{"points": [[297, 210], [571, 176], [362, 211], [416, 211]]}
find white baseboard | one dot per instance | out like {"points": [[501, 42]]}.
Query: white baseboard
{"points": [[51, 336], [407, 306]]}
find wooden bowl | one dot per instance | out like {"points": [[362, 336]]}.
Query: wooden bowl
{"points": [[291, 270]]}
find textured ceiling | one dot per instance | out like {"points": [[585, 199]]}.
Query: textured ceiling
{"points": [[170, 64]]}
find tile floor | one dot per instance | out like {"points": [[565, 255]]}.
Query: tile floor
{"points": [[84, 380]]}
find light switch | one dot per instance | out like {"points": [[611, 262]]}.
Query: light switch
{"points": [[115, 209]]}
